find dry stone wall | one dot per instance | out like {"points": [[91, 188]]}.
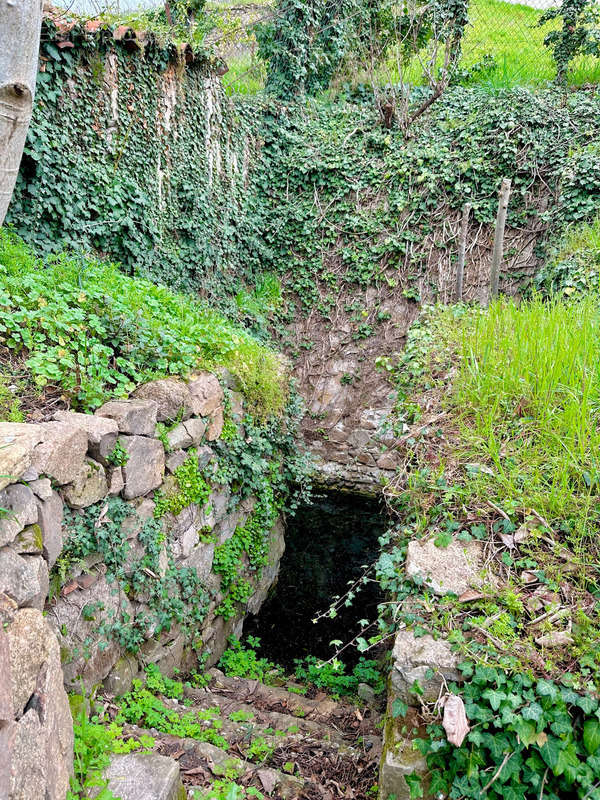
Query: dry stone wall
{"points": [[60, 471]]}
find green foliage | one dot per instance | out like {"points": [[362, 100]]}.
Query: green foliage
{"points": [[575, 266], [332, 676], [10, 404], [118, 455], [579, 34], [142, 707], [580, 183], [96, 333], [192, 488], [174, 595], [95, 740], [305, 43], [242, 661], [409, 187], [228, 790], [528, 381], [541, 738], [267, 464], [158, 683]]}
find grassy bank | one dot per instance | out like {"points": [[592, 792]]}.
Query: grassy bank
{"points": [[80, 329]]}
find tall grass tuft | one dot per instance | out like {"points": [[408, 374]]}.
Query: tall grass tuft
{"points": [[528, 389]]}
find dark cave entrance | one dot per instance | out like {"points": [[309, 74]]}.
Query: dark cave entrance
{"points": [[328, 542]]}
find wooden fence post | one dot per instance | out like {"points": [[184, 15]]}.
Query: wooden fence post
{"points": [[499, 237], [462, 249]]}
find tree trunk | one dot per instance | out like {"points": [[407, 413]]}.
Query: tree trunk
{"points": [[20, 24]]}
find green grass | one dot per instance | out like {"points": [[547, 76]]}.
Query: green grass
{"points": [[528, 390], [92, 332], [508, 33], [246, 76]]}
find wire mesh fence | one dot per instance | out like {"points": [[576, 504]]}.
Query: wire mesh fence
{"points": [[503, 43]]}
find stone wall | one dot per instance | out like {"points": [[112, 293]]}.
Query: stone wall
{"points": [[65, 470], [424, 661]]}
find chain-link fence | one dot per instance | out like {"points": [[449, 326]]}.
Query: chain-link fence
{"points": [[503, 44]]}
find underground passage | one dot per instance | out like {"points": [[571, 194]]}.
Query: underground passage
{"points": [[329, 543]]}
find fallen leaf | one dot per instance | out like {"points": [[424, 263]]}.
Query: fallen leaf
{"points": [[455, 720], [268, 778], [528, 577], [508, 540], [521, 534], [470, 595], [69, 587]]}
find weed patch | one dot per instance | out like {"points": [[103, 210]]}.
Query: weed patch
{"points": [[96, 333]]}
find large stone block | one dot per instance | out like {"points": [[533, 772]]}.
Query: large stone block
{"points": [[50, 518], [89, 487], [24, 578], [145, 467], [179, 438], [424, 660], [84, 660], [37, 751], [400, 758], [7, 709], [144, 776], [62, 452], [207, 394], [196, 429], [17, 443], [172, 397], [201, 559], [452, 569], [19, 501], [136, 417], [122, 675], [42, 488], [101, 432], [215, 425]]}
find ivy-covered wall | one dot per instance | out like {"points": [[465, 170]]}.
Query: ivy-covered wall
{"points": [[137, 154]]}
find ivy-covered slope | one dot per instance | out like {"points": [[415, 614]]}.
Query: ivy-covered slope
{"points": [[136, 154]]}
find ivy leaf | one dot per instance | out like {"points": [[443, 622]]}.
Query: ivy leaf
{"points": [[495, 697], [399, 708], [414, 785], [591, 735], [442, 540]]}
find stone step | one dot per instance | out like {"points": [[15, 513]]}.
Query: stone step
{"points": [[204, 699], [201, 763], [341, 714], [143, 776]]}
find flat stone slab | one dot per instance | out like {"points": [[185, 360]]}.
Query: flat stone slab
{"points": [[145, 467], [137, 417], [144, 776], [452, 569], [207, 393], [101, 431], [17, 442], [61, 454]]}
